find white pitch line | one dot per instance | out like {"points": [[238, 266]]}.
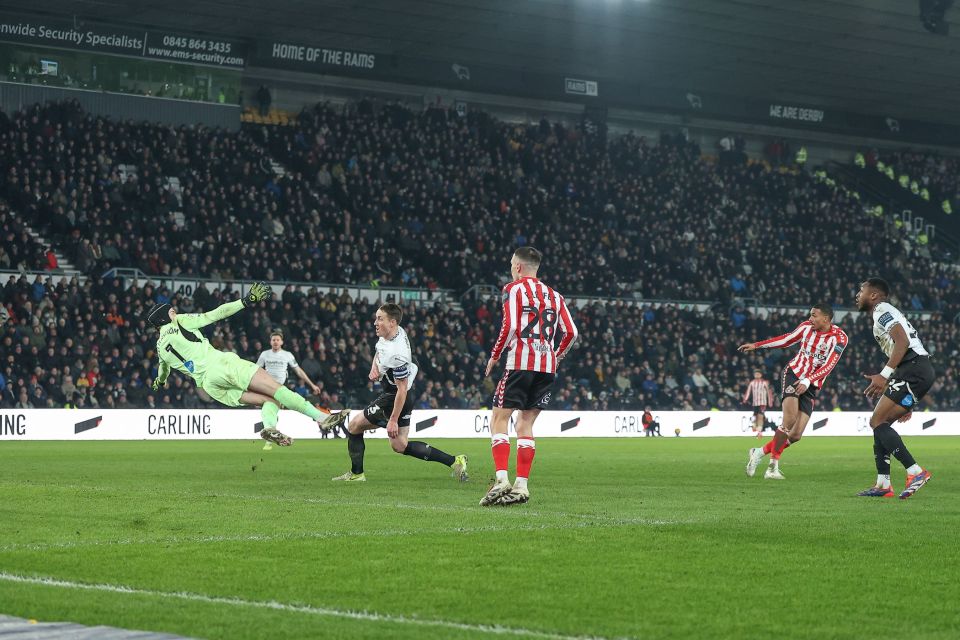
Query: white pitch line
{"points": [[364, 616], [268, 537]]}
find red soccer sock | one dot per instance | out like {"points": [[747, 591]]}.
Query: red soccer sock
{"points": [[778, 452], [526, 449], [500, 445], [768, 448]]}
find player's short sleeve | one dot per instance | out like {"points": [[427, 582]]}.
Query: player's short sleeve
{"points": [[261, 361], [886, 316], [291, 360]]}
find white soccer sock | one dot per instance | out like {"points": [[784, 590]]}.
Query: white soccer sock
{"points": [[883, 481], [502, 476], [521, 483], [774, 463], [914, 469]]}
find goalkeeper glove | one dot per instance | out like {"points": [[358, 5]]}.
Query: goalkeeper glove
{"points": [[157, 383], [258, 293]]}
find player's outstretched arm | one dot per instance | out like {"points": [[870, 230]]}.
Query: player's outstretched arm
{"points": [[258, 293], [779, 342]]}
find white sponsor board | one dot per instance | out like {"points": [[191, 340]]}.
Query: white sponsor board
{"points": [[243, 424]]}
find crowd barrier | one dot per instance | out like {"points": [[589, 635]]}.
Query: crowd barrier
{"points": [[241, 424]]}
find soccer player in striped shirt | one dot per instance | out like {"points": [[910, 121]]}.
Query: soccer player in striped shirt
{"points": [[760, 396], [532, 312], [821, 345]]}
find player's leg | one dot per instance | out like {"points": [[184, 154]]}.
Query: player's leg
{"points": [[507, 398], [269, 415], [227, 379], [356, 447], [881, 457], [791, 409], [526, 450], [500, 448], [538, 397], [263, 384], [792, 415], [793, 435], [423, 451], [888, 411]]}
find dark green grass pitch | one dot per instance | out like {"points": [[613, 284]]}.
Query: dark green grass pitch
{"points": [[639, 538]]}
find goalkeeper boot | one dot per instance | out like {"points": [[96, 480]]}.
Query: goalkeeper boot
{"points": [[330, 422], [498, 490], [458, 469], [514, 496], [350, 476], [756, 455], [272, 435]]}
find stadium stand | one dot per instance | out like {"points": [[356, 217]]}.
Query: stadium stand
{"points": [[379, 192], [85, 343]]}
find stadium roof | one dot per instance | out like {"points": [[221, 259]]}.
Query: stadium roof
{"points": [[866, 56]]}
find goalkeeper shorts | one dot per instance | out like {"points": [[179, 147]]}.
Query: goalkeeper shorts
{"points": [[227, 377]]}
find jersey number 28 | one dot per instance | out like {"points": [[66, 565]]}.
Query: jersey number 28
{"points": [[542, 326]]}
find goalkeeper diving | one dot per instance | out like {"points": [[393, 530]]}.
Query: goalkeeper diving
{"points": [[226, 377]]}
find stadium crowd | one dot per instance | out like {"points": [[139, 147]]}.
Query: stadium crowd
{"points": [[68, 343], [939, 174], [432, 199]]}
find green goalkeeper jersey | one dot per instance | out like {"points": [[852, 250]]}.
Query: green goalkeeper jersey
{"points": [[181, 346]]}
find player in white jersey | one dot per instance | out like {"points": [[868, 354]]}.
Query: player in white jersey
{"points": [[394, 366], [278, 361], [905, 379]]}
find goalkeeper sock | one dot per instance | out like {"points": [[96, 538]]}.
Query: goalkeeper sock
{"points": [[526, 449], [422, 450], [295, 401], [269, 413], [500, 443]]}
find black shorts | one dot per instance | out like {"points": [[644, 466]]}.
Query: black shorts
{"points": [[523, 390], [911, 381], [759, 409], [788, 389], [378, 412]]}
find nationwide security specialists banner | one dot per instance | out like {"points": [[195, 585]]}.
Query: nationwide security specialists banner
{"points": [[243, 424], [158, 44]]}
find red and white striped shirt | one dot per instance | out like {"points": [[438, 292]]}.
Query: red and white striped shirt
{"points": [[759, 393], [531, 313], [819, 351]]}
